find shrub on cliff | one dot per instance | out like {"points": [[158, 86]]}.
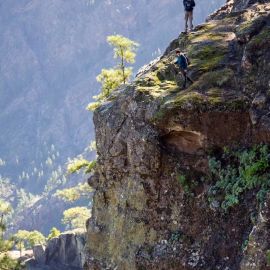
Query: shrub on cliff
{"points": [[240, 171], [53, 233]]}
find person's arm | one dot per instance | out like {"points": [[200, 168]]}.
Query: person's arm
{"points": [[193, 4]]}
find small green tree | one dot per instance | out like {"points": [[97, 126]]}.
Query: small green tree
{"points": [[5, 209], [25, 239], [54, 232], [125, 52], [76, 164], [20, 239], [36, 238], [110, 79], [75, 193], [76, 217], [6, 263]]}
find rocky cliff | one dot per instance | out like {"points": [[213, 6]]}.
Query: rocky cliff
{"points": [[183, 175], [63, 252]]}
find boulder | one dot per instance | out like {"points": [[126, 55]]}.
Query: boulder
{"points": [[39, 254], [63, 252]]}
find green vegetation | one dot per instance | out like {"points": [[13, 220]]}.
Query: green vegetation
{"points": [[237, 172], [208, 36], [75, 193], [5, 209], [260, 40], [189, 97], [24, 199], [124, 51], [53, 233], [244, 244], [76, 164], [207, 57], [245, 27], [187, 184], [206, 27], [47, 175], [6, 263], [160, 82], [268, 257], [81, 190], [110, 79], [28, 239], [218, 78], [250, 26], [76, 217]]}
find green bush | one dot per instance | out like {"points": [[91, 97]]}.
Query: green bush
{"points": [[238, 172], [187, 184], [268, 257]]}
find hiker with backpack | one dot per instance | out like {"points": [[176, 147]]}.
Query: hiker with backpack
{"points": [[182, 62], [188, 6]]}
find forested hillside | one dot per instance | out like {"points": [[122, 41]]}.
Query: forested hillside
{"points": [[50, 55]]}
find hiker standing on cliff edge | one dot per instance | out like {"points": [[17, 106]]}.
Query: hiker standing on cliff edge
{"points": [[189, 6]]}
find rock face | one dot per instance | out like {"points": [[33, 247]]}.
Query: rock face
{"points": [[151, 133], [63, 252]]}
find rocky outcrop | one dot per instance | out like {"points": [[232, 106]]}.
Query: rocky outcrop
{"points": [[152, 208], [63, 252]]}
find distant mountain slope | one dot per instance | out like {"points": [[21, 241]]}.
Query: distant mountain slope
{"points": [[50, 54]]}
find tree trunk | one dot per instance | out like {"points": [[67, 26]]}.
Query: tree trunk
{"points": [[123, 66]]}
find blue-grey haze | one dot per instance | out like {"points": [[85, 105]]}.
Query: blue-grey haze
{"points": [[50, 53]]}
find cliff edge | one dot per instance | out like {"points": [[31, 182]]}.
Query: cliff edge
{"points": [[182, 175]]}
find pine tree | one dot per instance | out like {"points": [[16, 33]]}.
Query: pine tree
{"points": [[25, 238], [6, 263], [76, 217], [125, 52], [110, 79]]}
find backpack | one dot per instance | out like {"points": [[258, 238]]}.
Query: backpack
{"points": [[187, 59], [189, 5]]}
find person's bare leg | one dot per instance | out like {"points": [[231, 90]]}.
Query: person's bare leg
{"points": [[191, 20], [186, 21]]}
